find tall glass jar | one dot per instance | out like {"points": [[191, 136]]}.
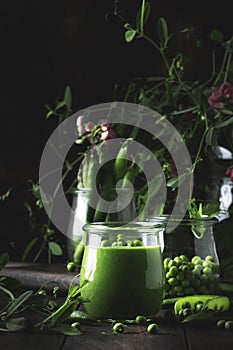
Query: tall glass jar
{"points": [[190, 256], [122, 272], [85, 210], [191, 236]]}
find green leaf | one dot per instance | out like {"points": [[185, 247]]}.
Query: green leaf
{"points": [[16, 324], [225, 123], [67, 330], [55, 248], [211, 137], [216, 36], [82, 316], [29, 248], [68, 97], [174, 182], [18, 302], [60, 105], [74, 291], [49, 114], [4, 258], [5, 195], [129, 35], [6, 291], [162, 31]]}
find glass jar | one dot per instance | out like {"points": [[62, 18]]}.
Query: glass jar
{"points": [[85, 209], [190, 236], [190, 256], [122, 272]]}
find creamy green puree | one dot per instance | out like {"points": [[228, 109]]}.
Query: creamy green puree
{"points": [[122, 282]]}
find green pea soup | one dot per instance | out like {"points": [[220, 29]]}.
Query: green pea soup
{"points": [[122, 282]]}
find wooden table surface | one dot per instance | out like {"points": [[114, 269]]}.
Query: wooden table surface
{"points": [[172, 335], [99, 337]]}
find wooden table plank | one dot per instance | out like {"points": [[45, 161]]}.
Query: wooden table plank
{"points": [[169, 337], [29, 341], [208, 337]]}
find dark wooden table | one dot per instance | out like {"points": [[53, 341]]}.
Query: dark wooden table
{"points": [[171, 336]]}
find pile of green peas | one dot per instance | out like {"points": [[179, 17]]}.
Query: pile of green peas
{"points": [[122, 241], [185, 276]]}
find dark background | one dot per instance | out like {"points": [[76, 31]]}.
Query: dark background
{"points": [[46, 45]]}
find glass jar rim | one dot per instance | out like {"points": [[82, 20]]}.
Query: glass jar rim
{"points": [[186, 220], [124, 227], [89, 189]]}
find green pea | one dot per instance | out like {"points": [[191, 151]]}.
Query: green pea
{"points": [[166, 261], [121, 243], [137, 243], [178, 288], [209, 258], [172, 263], [105, 243], [75, 325], [71, 266], [180, 276], [130, 243], [198, 306], [207, 263], [178, 260], [185, 283], [174, 271], [186, 312], [186, 305], [185, 268], [203, 279], [141, 320], [196, 259], [118, 327], [173, 282], [229, 325], [221, 323], [114, 244], [184, 258], [153, 328]]}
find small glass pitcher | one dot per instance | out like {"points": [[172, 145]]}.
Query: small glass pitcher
{"points": [[122, 272]]}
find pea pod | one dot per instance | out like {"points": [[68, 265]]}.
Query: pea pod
{"points": [[219, 303], [211, 302]]}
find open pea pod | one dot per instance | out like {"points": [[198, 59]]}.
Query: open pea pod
{"points": [[211, 302]]}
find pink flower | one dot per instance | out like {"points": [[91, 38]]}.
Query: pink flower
{"points": [[225, 91], [107, 132], [229, 172], [80, 125]]}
